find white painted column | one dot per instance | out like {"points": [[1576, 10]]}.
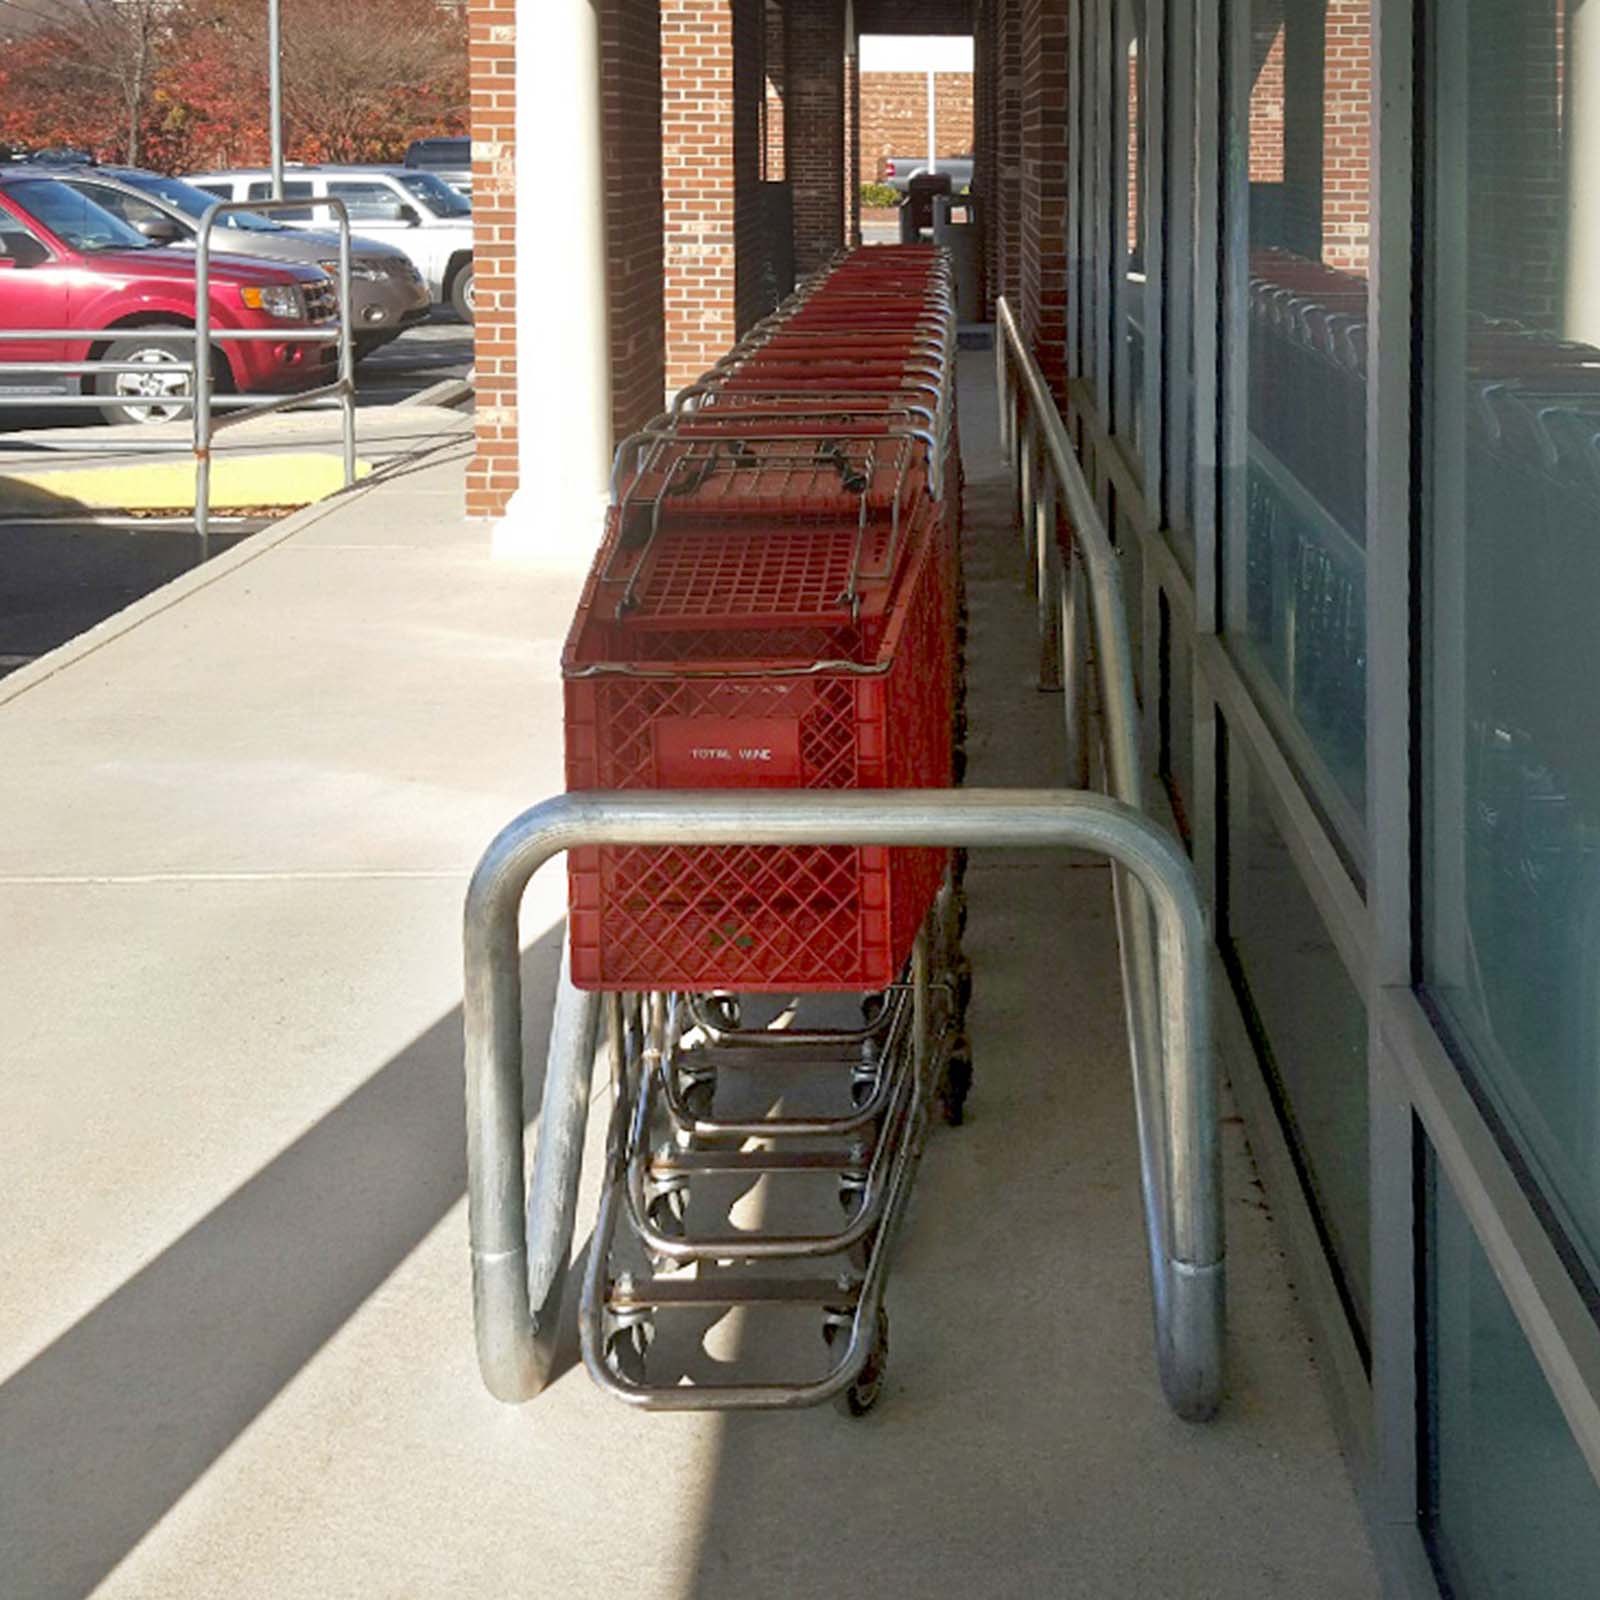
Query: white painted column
{"points": [[1582, 319], [563, 330]]}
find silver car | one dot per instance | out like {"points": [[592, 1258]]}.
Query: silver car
{"points": [[410, 209], [388, 293]]}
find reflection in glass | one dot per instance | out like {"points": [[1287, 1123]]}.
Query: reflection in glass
{"points": [[1296, 550], [1309, 1021], [1512, 1512], [1135, 205], [1514, 551]]}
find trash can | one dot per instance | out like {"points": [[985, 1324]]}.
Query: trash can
{"points": [[956, 225], [916, 210]]}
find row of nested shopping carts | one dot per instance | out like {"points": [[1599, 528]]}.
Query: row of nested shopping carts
{"points": [[776, 603]]}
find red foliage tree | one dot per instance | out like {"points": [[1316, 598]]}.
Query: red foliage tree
{"points": [[361, 79]]}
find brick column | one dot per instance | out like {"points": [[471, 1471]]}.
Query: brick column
{"points": [[1007, 209], [631, 100], [711, 98], [984, 166], [814, 140], [1043, 187], [631, 88], [852, 141], [773, 168], [492, 47]]}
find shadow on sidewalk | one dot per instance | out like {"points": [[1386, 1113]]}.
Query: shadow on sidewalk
{"points": [[106, 1429]]}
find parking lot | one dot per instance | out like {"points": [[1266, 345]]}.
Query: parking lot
{"points": [[61, 573]]}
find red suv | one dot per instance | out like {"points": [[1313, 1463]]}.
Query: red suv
{"points": [[67, 263]]}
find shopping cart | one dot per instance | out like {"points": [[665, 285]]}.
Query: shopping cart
{"points": [[774, 605]]}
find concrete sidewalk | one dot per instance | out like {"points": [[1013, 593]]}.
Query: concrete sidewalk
{"points": [[236, 1355]]}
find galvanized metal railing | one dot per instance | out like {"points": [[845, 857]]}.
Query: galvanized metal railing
{"points": [[521, 1237], [342, 389], [201, 401], [1078, 583]]}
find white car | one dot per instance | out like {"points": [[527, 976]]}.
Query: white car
{"points": [[415, 211]]}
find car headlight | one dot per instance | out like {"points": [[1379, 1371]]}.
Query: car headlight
{"points": [[277, 300], [361, 271]]}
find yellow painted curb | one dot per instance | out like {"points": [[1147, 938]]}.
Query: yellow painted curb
{"points": [[237, 482]]}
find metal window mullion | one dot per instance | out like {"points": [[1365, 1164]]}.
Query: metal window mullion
{"points": [[1102, 44], [1075, 204], [1391, 540], [1122, 33], [1209, 112], [1177, 321], [1553, 1315], [1152, 107], [1233, 396]]}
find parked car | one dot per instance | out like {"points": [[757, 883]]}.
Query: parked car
{"points": [[387, 292], [898, 171], [67, 263], [415, 211], [450, 159]]}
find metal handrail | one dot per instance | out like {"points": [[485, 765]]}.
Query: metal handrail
{"points": [[201, 337], [343, 388], [1086, 575], [521, 1238]]}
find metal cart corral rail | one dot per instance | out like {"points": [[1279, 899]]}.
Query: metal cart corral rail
{"points": [[521, 1236]]}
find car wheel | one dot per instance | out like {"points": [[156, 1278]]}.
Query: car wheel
{"points": [[461, 294], [163, 390]]}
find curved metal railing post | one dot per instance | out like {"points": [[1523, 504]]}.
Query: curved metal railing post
{"points": [[1183, 1194], [1023, 387]]}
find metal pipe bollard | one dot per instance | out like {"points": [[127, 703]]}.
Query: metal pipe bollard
{"points": [[1175, 1086]]}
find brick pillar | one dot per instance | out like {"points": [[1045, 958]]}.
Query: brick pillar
{"points": [[814, 141], [1043, 186], [711, 97], [631, 105], [1007, 221], [1347, 134], [984, 165], [631, 54], [852, 141], [773, 169], [492, 48]]}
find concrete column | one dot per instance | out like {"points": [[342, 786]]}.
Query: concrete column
{"points": [[1582, 287], [563, 339]]}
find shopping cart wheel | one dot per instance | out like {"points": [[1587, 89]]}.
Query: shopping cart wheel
{"points": [[862, 1395], [725, 1010], [957, 1083], [626, 1349], [961, 973], [668, 1209]]}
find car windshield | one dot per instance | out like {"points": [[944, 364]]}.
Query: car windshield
{"points": [[193, 202], [74, 217], [436, 194]]}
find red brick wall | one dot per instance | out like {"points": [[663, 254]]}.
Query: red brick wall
{"points": [[985, 169], [1043, 189], [491, 32], [894, 117], [814, 144], [1006, 212], [777, 91], [631, 100], [712, 86], [1266, 116], [1347, 134], [852, 140]]}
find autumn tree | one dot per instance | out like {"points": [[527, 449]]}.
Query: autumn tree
{"points": [[98, 55], [182, 84]]}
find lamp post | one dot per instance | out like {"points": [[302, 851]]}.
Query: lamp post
{"points": [[275, 91]]}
